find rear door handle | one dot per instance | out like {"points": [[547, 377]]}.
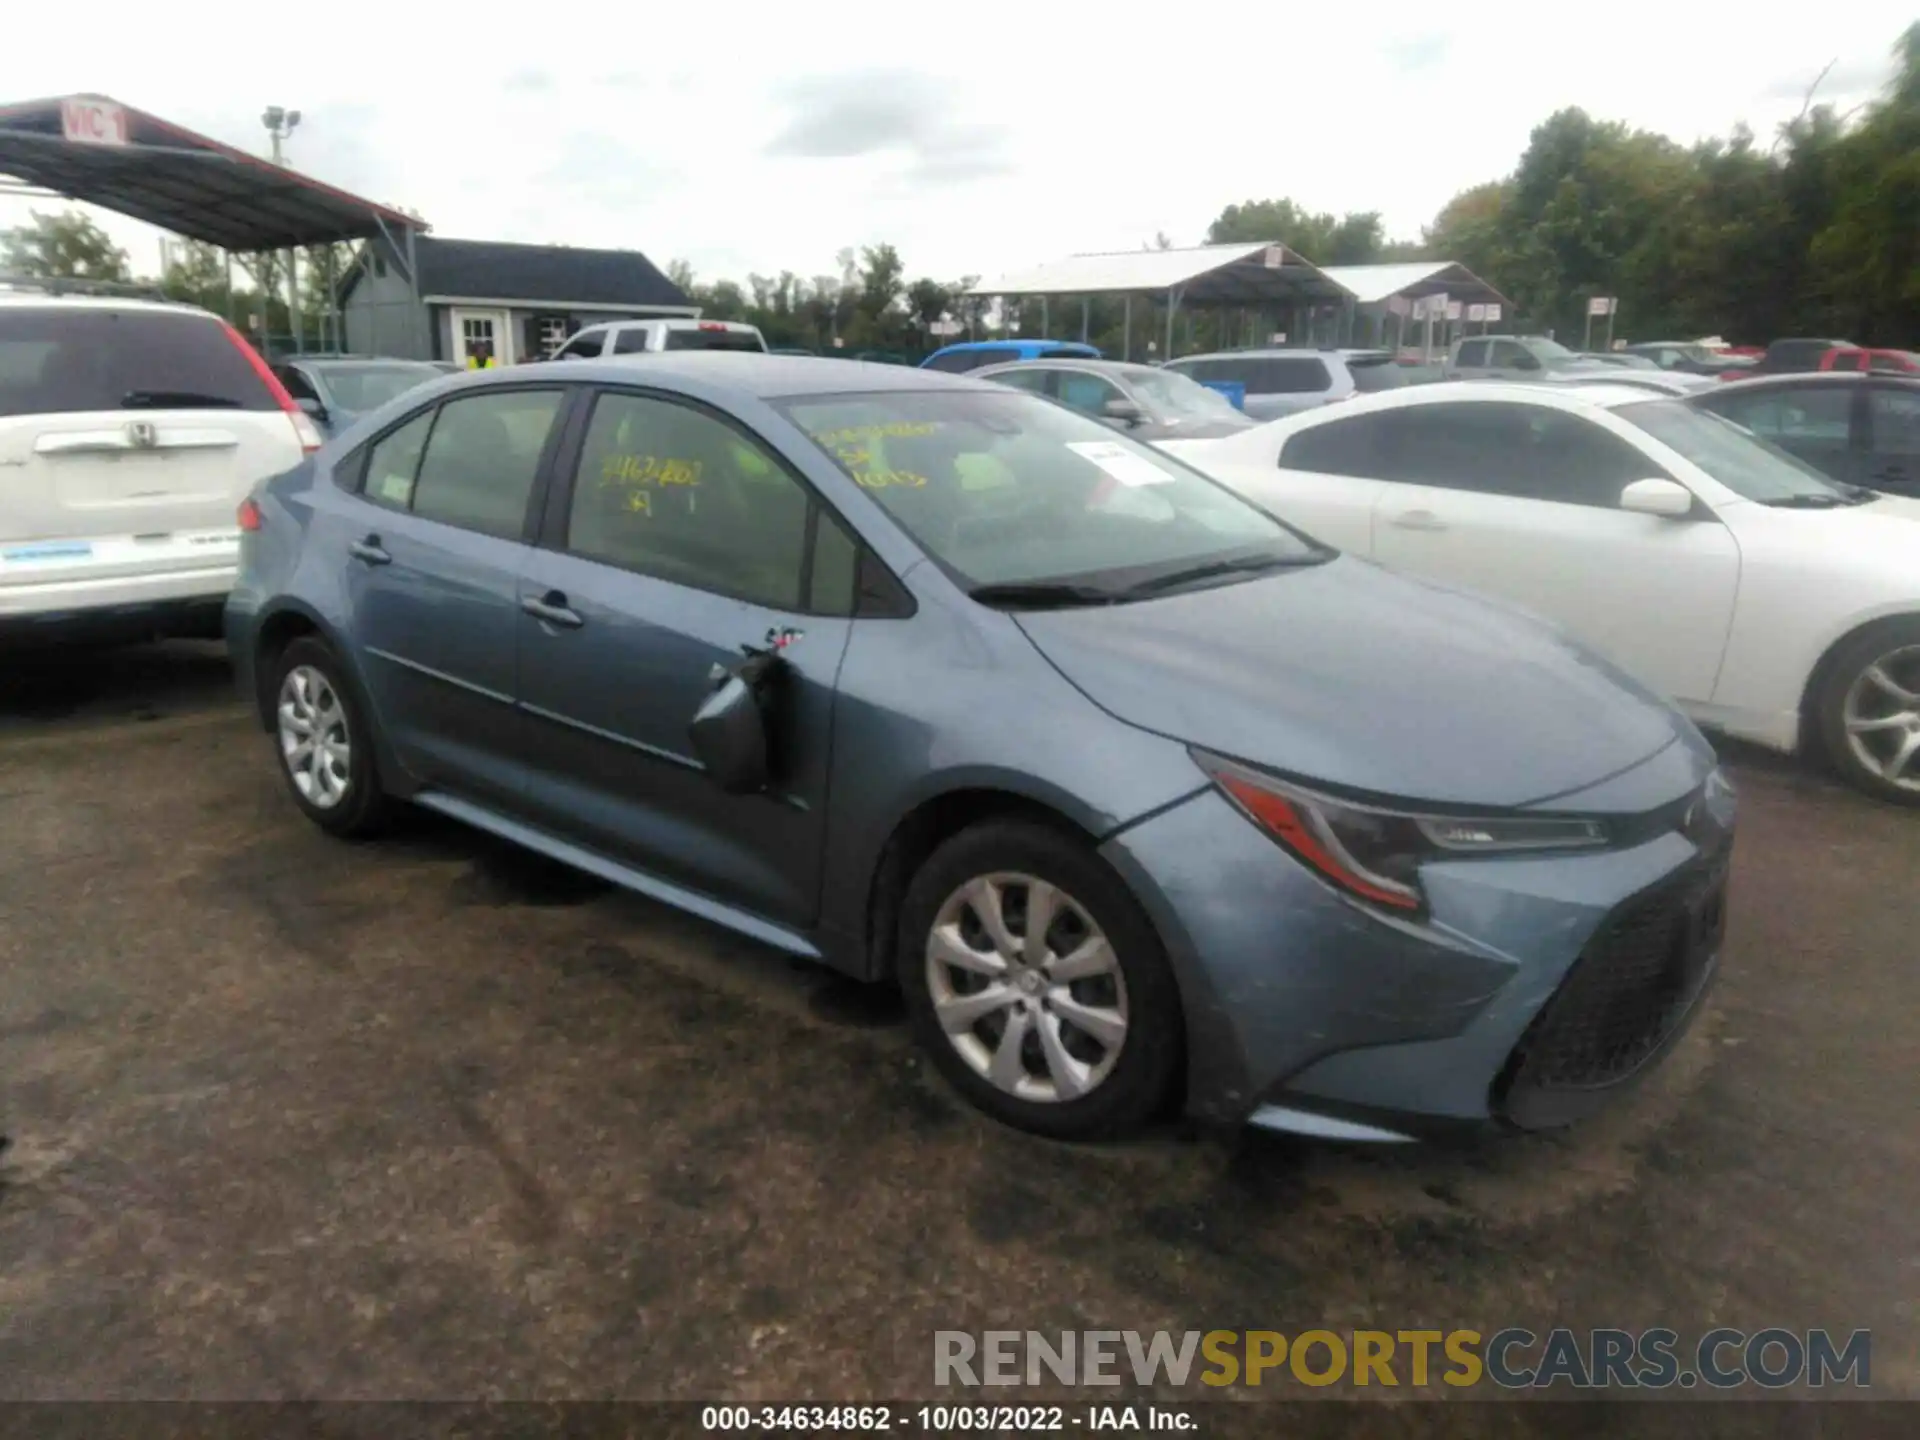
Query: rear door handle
{"points": [[1419, 520], [553, 609], [371, 551]]}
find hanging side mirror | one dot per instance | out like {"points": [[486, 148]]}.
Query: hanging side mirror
{"points": [[729, 731]]}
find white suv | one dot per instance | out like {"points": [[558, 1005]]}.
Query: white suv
{"points": [[130, 431], [644, 337]]}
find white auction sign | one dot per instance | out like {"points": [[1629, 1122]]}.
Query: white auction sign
{"points": [[1600, 305], [1476, 313], [1493, 313], [93, 122]]}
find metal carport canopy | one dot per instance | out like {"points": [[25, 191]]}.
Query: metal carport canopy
{"points": [[190, 184], [1201, 275], [1371, 284]]}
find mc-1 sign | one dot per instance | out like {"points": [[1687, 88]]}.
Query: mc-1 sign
{"points": [[93, 122]]}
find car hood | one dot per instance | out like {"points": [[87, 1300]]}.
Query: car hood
{"points": [[1363, 680], [1200, 429]]}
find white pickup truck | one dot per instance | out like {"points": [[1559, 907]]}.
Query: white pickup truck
{"points": [[645, 337]]}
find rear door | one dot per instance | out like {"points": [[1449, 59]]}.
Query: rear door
{"points": [[128, 436], [432, 547]]}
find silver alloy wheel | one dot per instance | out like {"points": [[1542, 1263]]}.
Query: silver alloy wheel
{"points": [[1027, 987], [314, 741], [1882, 718]]}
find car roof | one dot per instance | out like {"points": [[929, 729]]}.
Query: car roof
{"points": [[1043, 346], [1121, 368], [1261, 352], [1600, 393], [31, 300], [1814, 377], [754, 375]]}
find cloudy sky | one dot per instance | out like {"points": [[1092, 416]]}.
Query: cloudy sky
{"points": [[978, 138]]}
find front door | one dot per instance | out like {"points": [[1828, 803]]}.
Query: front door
{"points": [[681, 541], [433, 547], [1524, 506], [479, 335]]}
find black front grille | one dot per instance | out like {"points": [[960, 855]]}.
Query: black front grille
{"points": [[1621, 1001]]}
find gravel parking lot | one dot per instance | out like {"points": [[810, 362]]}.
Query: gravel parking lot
{"points": [[428, 1117]]}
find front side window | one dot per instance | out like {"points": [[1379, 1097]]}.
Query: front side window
{"points": [[481, 459], [631, 341], [1002, 488], [585, 346], [1529, 452], [677, 493], [1472, 352], [1034, 381], [1510, 355], [1086, 393]]}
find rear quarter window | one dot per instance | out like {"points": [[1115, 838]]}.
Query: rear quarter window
{"points": [[62, 360]]}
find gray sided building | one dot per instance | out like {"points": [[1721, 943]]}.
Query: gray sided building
{"points": [[521, 301]]}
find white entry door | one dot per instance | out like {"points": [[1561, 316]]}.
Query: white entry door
{"points": [[482, 332]]}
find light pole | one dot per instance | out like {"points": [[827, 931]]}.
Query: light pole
{"points": [[281, 123]]}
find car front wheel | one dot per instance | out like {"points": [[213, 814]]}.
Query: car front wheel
{"points": [[1038, 985], [325, 749], [1869, 711]]}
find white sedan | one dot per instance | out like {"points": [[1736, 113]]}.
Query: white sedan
{"points": [[1769, 602]]}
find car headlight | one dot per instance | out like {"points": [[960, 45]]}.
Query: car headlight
{"points": [[1375, 853]]}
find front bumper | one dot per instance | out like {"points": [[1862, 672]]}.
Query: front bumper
{"points": [[1537, 987]]}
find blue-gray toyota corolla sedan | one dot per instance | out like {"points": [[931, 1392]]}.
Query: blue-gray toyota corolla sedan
{"points": [[1142, 796]]}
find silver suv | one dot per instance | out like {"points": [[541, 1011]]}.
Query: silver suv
{"points": [[1284, 382], [1514, 357]]}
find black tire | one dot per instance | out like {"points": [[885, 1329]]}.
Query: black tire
{"points": [[1142, 1076], [1842, 672], [362, 808]]}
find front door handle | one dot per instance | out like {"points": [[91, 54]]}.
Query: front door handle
{"points": [[552, 607], [1419, 520], [371, 551]]}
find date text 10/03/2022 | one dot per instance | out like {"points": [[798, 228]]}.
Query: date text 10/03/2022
{"points": [[948, 1419]]}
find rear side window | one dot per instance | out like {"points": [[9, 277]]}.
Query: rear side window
{"points": [[1472, 352], [1376, 372], [1340, 447], [481, 459], [629, 342], [1849, 360], [585, 345], [64, 360], [715, 340], [1287, 375]]}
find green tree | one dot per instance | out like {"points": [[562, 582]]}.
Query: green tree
{"points": [[66, 246], [1356, 238]]}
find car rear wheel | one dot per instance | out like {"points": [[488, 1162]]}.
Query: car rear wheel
{"points": [[325, 749], [1037, 984], [1869, 711]]}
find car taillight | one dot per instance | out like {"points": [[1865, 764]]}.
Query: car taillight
{"points": [[713, 325], [249, 516], [303, 428]]}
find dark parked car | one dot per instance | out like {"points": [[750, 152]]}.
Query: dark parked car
{"points": [[336, 391], [929, 679], [1861, 429], [1791, 357], [1149, 402], [1689, 357]]}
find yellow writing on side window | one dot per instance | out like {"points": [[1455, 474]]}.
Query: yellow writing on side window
{"points": [[649, 470]]}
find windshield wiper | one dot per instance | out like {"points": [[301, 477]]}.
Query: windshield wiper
{"points": [[175, 400], [1041, 594], [1212, 569]]}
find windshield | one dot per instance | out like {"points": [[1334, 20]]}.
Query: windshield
{"points": [[1551, 351], [1747, 465], [1004, 488], [1172, 394], [359, 388]]}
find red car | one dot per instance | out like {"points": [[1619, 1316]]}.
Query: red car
{"points": [[1903, 362]]}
